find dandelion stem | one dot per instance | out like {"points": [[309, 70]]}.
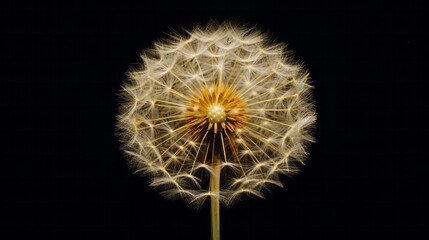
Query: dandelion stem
{"points": [[214, 201]]}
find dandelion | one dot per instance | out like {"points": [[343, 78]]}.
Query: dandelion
{"points": [[218, 112]]}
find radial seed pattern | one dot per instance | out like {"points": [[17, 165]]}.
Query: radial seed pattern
{"points": [[216, 96]]}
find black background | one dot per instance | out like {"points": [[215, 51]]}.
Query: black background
{"points": [[64, 177]]}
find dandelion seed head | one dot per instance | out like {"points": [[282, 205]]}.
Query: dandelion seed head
{"points": [[216, 114], [218, 95]]}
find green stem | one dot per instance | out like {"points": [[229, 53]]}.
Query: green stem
{"points": [[214, 202]]}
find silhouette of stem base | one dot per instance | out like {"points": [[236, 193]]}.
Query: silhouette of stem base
{"points": [[214, 202]]}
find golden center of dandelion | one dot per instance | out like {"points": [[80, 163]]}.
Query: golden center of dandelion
{"points": [[217, 107], [216, 114]]}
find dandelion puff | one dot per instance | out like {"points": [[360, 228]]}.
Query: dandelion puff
{"points": [[216, 113]]}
